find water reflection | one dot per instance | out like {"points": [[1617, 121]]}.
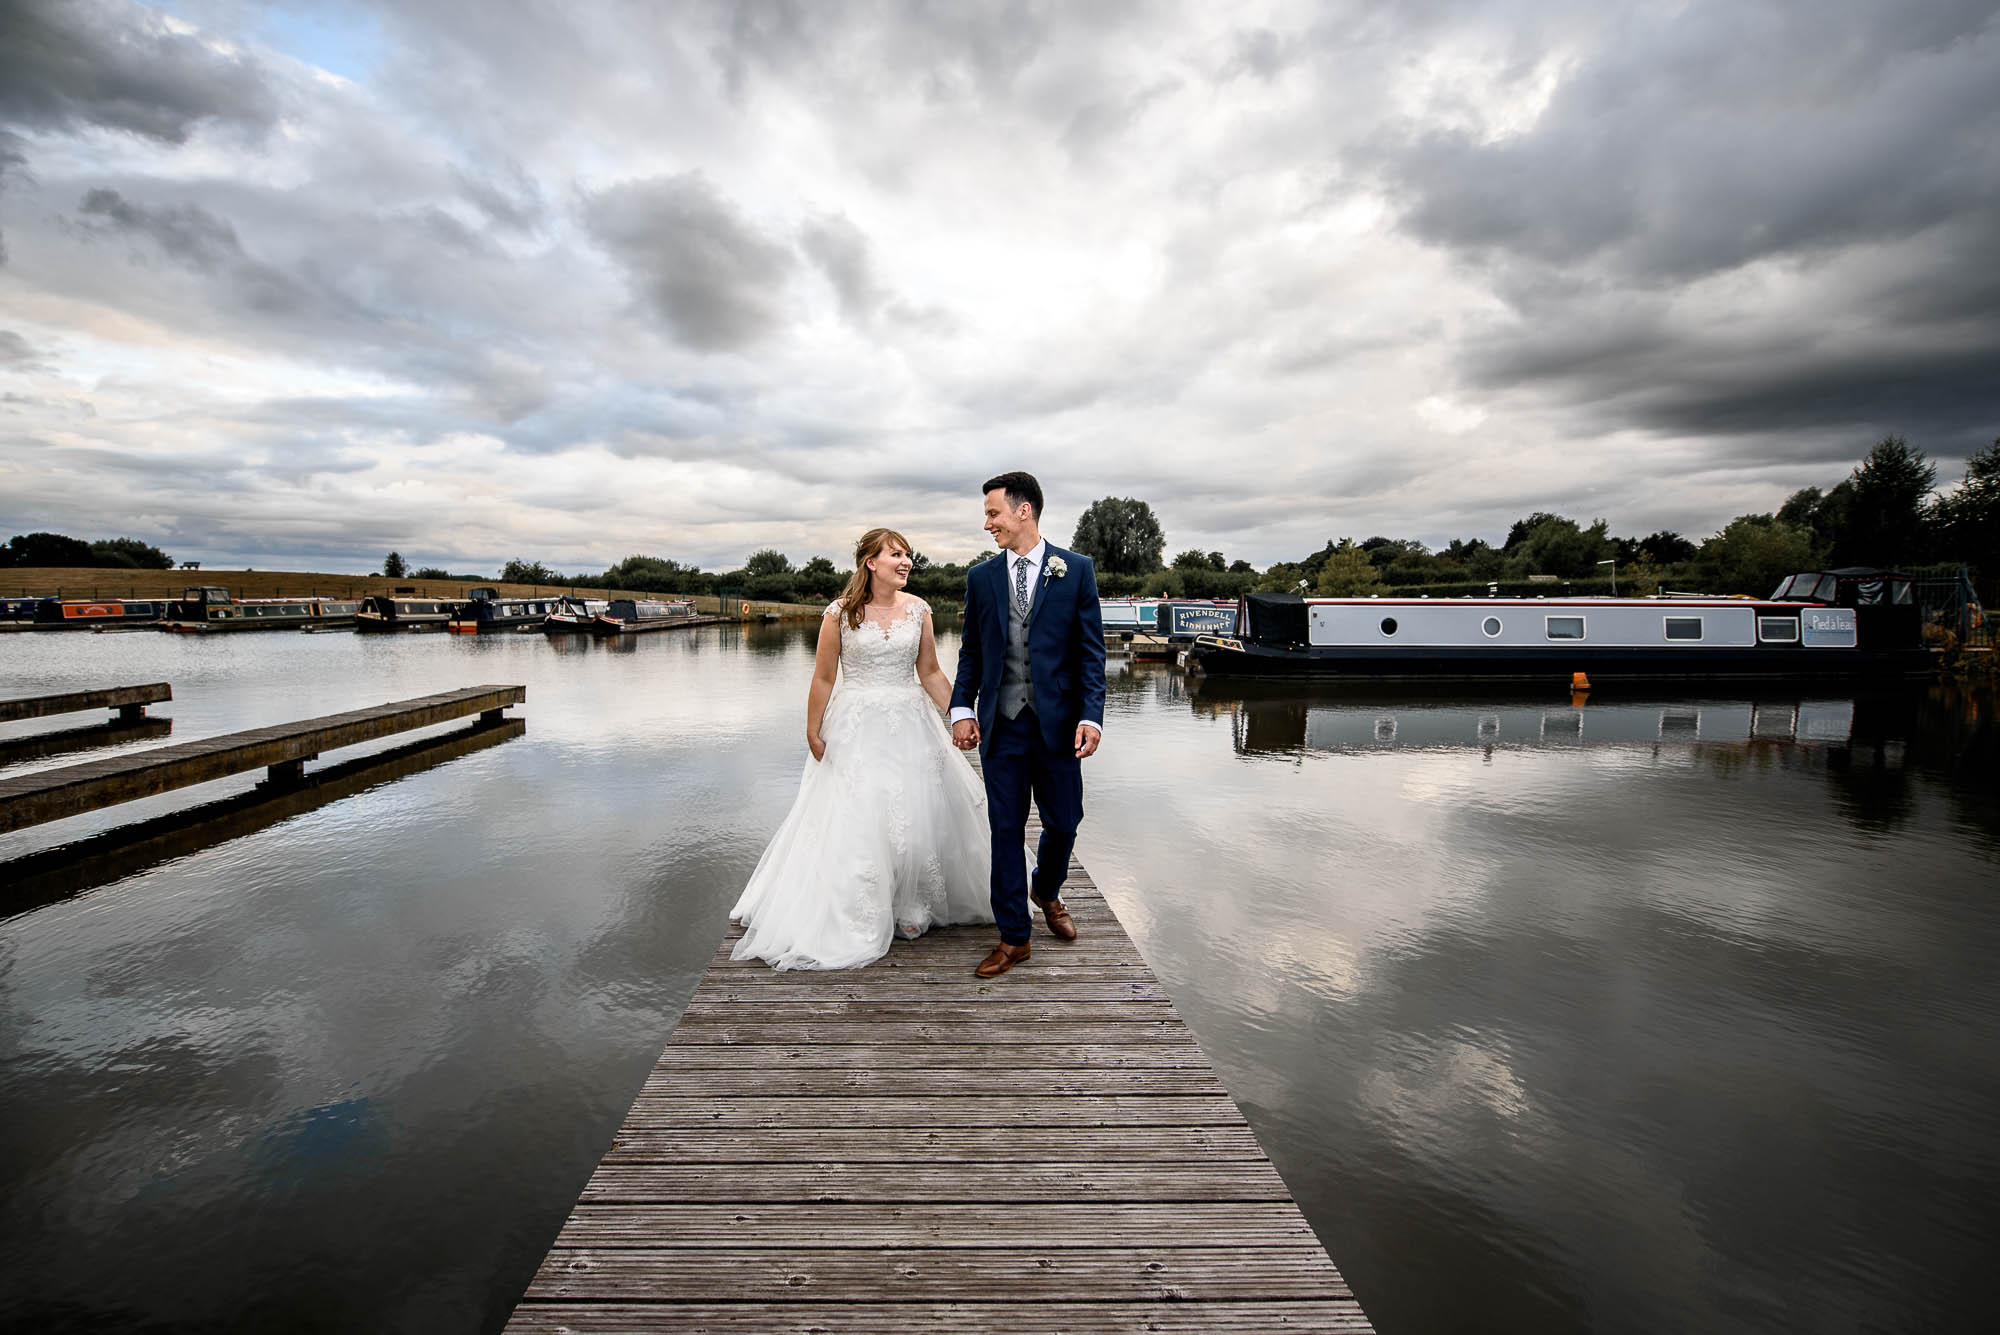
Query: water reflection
{"points": [[1628, 1015], [69, 869], [68, 741]]}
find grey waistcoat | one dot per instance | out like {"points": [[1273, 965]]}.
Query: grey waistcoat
{"points": [[1017, 687]]}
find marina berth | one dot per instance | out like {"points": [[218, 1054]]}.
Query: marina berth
{"points": [[636, 616], [486, 612], [88, 614], [1832, 624], [210, 608], [387, 612], [573, 616]]}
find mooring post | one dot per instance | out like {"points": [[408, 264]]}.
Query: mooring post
{"points": [[132, 713], [288, 773]]}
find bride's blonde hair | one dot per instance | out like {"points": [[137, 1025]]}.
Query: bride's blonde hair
{"points": [[855, 596]]}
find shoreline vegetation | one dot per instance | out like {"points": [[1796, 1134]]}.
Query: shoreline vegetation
{"points": [[108, 583]]}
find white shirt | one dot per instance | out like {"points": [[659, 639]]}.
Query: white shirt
{"points": [[1033, 559]]}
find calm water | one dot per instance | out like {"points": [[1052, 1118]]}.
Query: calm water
{"points": [[1652, 1015]]}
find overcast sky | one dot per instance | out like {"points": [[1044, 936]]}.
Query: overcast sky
{"points": [[295, 285]]}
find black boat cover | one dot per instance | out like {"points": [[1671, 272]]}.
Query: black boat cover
{"points": [[1276, 618]]}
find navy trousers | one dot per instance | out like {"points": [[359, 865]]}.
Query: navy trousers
{"points": [[1018, 763]]}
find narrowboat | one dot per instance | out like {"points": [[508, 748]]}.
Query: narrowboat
{"points": [[1854, 622], [209, 608], [91, 614], [573, 616], [634, 616], [1128, 615], [19, 613], [386, 612], [486, 612]]}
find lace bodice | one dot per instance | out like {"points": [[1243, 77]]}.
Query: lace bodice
{"points": [[876, 654]]}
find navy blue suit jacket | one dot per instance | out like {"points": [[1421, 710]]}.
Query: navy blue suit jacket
{"points": [[1065, 648]]}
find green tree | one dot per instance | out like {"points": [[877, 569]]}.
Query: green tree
{"points": [[820, 578], [518, 571], [393, 567], [767, 561], [46, 549], [1347, 572], [1753, 554], [1121, 535], [1283, 577], [1967, 521], [130, 553], [1196, 559], [1553, 545], [1885, 519]]}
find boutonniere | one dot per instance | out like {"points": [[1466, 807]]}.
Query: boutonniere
{"points": [[1057, 567]]}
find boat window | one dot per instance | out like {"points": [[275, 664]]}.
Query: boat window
{"points": [[1388, 625], [1491, 626], [1825, 589], [1683, 628], [1565, 628], [1778, 630], [1902, 591]]}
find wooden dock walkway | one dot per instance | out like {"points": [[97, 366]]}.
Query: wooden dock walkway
{"points": [[907, 1147], [129, 701], [282, 748]]}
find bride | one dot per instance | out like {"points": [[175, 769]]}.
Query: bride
{"points": [[888, 833]]}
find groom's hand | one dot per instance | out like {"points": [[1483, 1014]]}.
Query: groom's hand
{"points": [[965, 734], [1086, 741]]}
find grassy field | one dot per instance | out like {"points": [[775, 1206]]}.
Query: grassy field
{"points": [[89, 582]]}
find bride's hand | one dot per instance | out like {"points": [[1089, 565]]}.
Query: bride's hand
{"points": [[818, 745]]}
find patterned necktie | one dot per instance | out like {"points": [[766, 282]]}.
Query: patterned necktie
{"points": [[1021, 584]]}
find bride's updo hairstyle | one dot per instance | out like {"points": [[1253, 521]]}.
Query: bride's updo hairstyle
{"points": [[854, 598]]}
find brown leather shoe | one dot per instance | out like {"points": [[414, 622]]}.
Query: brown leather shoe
{"points": [[1060, 923], [1003, 958]]}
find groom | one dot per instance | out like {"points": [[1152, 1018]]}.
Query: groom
{"points": [[1030, 696]]}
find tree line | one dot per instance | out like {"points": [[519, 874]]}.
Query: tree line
{"points": [[1885, 512], [60, 550]]}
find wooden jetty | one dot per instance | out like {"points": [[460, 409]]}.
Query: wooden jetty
{"points": [[282, 750], [129, 701], [907, 1147]]}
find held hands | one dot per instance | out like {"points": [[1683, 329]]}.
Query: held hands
{"points": [[965, 734], [1086, 741]]}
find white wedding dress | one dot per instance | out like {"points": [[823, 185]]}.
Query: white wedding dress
{"points": [[888, 835]]}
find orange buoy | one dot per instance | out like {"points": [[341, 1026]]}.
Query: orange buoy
{"points": [[1579, 681]]}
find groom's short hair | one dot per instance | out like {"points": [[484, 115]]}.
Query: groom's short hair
{"points": [[1019, 487]]}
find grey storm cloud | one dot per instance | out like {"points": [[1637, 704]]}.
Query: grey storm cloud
{"points": [[1722, 139], [202, 242], [69, 63], [840, 249], [15, 350], [702, 267]]}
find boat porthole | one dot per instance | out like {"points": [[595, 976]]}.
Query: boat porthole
{"points": [[1388, 625], [1491, 626]]}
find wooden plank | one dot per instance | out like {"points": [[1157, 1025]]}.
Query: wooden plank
{"points": [[976, 1275], [1000, 1110], [982, 1081], [1166, 1031], [1060, 1225], [981, 1144], [53, 794], [129, 700], [979, 1318], [1015, 1183], [1175, 1051], [1032, 1008]]}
